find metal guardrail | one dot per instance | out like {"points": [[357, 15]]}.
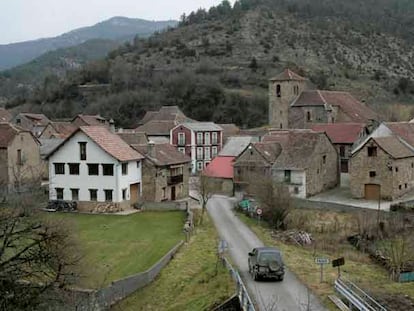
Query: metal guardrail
{"points": [[244, 298], [356, 296]]}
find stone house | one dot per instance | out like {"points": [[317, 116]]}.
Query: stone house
{"points": [[165, 172], [382, 165], [293, 105], [57, 130], [201, 141], [220, 175], [257, 159], [20, 163], [97, 169], [307, 163], [34, 122], [343, 136]]}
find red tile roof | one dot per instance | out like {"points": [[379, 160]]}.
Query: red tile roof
{"points": [[349, 105], [91, 119], [5, 115], [37, 118], [157, 128], [8, 132], [163, 154], [394, 147], [403, 129], [220, 167], [288, 75], [63, 129], [340, 133]]}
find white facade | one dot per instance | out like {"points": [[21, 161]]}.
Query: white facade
{"points": [[69, 153], [296, 184]]}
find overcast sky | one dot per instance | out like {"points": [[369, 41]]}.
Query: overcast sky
{"points": [[22, 20]]}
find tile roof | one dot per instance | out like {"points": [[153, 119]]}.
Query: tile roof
{"points": [[220, 167], [297, 147], [5, 115], [288, 75], [166, 113], [108, 141], [8, 132], [37, 118], [229, 129], [91, 119], [133, 138], [340, 133], [403, 129], [64, 129], [202, 126], [354, 109], [235, 145], [163, 154], [394, 147], [48, 145], [269, 150], [157, 128]]}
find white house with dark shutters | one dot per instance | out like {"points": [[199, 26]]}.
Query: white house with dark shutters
{"points": [[95, 166]]}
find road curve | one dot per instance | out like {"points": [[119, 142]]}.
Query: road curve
{"points": [[289, 295]]}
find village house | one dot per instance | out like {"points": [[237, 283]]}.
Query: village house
{"points": [[34, 122], [343, 136], [165, 172], [201, 141], [85, 120], [257, 159], [382, 166], [292, 105], [307, 163], [20, 164], [57, 129], [5, 115], [97, 169]]}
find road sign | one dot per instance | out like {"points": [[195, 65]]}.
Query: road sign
{"points": [[321, 261], [259, 211], [338, 262]]}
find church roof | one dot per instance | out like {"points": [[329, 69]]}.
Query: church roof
{"points": [[288, 75]]}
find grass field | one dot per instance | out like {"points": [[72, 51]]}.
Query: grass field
{"points": [[117, 246], [358, 266], [189, 282]]}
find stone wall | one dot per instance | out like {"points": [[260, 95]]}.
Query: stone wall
{"points": [[395, 176]]}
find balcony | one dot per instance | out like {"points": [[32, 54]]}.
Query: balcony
{"points": [[172, 180]]}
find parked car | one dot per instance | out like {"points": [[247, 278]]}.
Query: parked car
{"points": [[266, 262]]}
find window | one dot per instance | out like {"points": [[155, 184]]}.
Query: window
{"points": [[182, 150], [199, 153], [163, 192], [308, 116], [207, 139], [324, 159], [396, 169], [281, 126], [59, 193], [74, 168], [281, 113], [278, 91], [206, 163], [181, 139], [124, 168], [18, 121], [214, 138], [82, 151], [342, 151], [199, 166], [213, 151], [288, 174], [124, 194], [296, 190], [199, 138], [75, 194], [405, 186], [108, 195], [93, 194], [207, 153], [108, 169], [400, 187], [93, 169], [372, 151], [19, 157], [138, 164], [296, 89], [59, 168], [372, 174]]}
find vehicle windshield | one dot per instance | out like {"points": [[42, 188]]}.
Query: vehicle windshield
{"points": [[268, 257]]}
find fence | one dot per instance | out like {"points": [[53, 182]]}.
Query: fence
{"points": [[406, 277], [356, 297], [244, 298]]}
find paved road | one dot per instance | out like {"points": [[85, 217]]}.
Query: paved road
{"points": [[289, 295]]}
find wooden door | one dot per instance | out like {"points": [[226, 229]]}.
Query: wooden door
{"points": [[372, 192], [134, 193], [172, 193]]}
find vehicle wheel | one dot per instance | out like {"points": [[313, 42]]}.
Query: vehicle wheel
{"points": [[281, 278]]}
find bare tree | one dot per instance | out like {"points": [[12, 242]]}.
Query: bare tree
{"points": [[274, 199], [36, 254], [399, 252], [205, 189]]}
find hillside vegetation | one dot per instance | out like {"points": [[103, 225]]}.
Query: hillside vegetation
{"points": [[216, 63]]}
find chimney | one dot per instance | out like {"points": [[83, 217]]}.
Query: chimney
{"points": [[151, 149], [112, 125]]}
